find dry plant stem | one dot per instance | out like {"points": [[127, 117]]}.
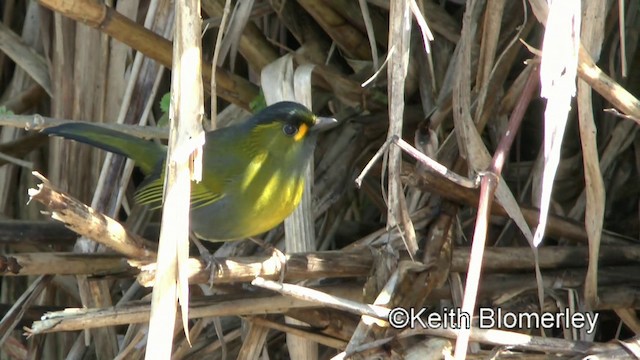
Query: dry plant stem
{"points": [[137, 312], [364, 9], [618, 297], [125, 109], [26, 100], [215, 18], [250, 304], [299, 226], [21, 146], [42, 233], [593, 24], [321, 298], [518, 341], [594, 76], [46, 234], [617, 113], [127, 351], [329, 264], [14, 348], [627, 349], [490, 36], [330, 322], [14, 315], [431, 164], [557, 226], [629, 318], [38, 122], [303, 28], [214, 63], [394, 293], [28, 264], [607, 87], [80, 83], [324, 340], [623, 43], [439, 20], [24, 56], [488, 185], [513, 259], [232, 88], [397, 68], [253, 44], [217, 347], [372, 349], [515, 120], [300, 236], [181, 347], [348, 38], [632, 346], [133, 106], [346, 89], [184, 164], [16, 161], [438, 248], [253, 341], [500, 289], [87, 222], [309, 266]]}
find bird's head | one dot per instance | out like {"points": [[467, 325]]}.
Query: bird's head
{"points": [[288, 129]]}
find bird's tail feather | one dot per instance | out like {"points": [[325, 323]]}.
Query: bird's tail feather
{"points": [[146, 154]]}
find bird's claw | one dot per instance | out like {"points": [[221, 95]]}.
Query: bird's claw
{"points": [[275, 252], [282, 258], [213, 265]]}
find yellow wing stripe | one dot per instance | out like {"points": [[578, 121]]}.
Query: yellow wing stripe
{"points": [[201, 196], [151, 194]]}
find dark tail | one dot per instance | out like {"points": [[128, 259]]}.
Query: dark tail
{"points": [[146, 154]]}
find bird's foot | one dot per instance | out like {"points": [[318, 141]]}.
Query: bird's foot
{"points": [[213, 265], [215, 269], [275, 252]]}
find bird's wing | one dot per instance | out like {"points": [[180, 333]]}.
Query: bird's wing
{"points": [[150, 193], [151, 190], [224, 163]]}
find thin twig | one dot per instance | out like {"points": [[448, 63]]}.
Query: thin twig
{"points": [[489, 184], [39, 122], [422, 158], [307, 294]]}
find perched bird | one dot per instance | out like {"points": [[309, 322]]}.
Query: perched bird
{"points": [[253, 172]]}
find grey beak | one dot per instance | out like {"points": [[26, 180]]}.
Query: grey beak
{"points": [[324, 123]]}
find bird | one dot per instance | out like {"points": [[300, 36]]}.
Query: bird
{"points": [[253, 172]]}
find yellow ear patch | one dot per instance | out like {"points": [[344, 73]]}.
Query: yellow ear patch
{"points": [[302, 131]]}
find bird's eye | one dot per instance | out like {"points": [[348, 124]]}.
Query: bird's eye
{"points": [[289, 129]]}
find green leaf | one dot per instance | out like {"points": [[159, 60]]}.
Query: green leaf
{"points": [[5, 111], [165, 102], [258, 103]]}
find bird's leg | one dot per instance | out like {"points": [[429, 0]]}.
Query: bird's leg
{"points": [[212, 263], [204, 253], [275, 253]]}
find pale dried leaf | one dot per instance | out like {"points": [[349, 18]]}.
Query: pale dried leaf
{"points": [[558, 84]]}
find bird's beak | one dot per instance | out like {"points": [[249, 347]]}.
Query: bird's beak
{"points": [[324, 123]]}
